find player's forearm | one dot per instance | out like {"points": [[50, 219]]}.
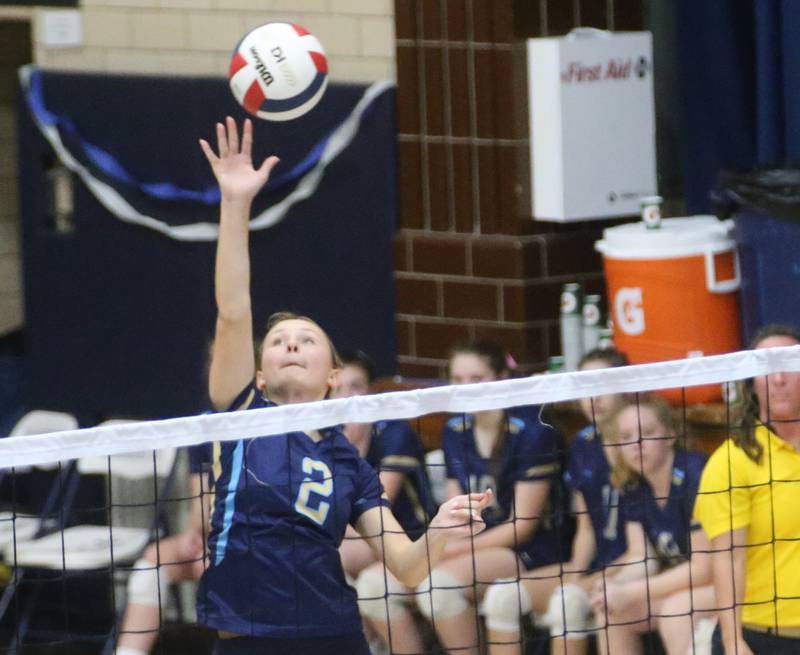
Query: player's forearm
{"points": [[413, 563], [729, 584], [232, 273]]}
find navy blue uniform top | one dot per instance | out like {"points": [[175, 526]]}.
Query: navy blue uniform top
{"points": [[394, 446], [589, 474], [531, 452], [667, 528], [281, 508], [200, 457]]}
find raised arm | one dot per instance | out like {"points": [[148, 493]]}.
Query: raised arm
{"points": [[233, 357]]}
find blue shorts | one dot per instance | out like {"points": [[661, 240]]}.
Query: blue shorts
{"points": [[352, 644]]}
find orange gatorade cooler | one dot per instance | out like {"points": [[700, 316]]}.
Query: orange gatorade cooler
{"points": [[672, 292]]}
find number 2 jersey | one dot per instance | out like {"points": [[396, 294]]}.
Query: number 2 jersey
{"points": [[531, 452], [281, 507]]}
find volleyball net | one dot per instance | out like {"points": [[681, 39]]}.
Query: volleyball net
{"points": [[104, 530]]}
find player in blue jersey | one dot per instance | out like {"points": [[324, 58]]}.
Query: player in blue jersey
{"points": [[558, 594], [275, 582], [658, 484], [521, 459], [172, 559], [395, 451]]}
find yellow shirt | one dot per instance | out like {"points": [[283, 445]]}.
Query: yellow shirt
{"points": [[736, 492]]}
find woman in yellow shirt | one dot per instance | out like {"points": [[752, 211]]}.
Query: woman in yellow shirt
{"points": [[747, 505]]}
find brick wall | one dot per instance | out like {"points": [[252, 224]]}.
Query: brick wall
{"points": [[470, 262]]}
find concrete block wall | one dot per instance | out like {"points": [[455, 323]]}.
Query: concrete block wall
{"points": [[188, 37]]}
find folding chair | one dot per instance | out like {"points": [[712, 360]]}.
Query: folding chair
{"points": [[98, 552]]}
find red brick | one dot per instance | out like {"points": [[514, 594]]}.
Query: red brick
{"points": [[475, 300], [408, 81], [438, 186], [463, 188], [569, 254], [431, 19], [423, 370], [456, 20], [400, 252], [628, 15], [410, 184], [433, 96], [440, 254], [403, 337], [459, 91], [404, 19], [487, 176], [498, 258], [435, 340], [415, 296]]}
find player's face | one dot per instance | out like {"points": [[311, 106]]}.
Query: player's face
{"points": [[778, 393], [352, 381], [598, 408], [469, 367], [296, 361], [644, 443]]}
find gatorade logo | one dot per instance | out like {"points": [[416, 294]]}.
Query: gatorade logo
{"points": [[628, 310]]}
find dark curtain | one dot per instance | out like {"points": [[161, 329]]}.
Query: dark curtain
{"points": [[740, 74]]}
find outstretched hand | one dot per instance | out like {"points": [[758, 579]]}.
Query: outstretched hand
{"points": [[233, 167], [461, 515]]}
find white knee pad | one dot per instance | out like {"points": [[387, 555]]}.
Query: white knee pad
{"points": [[504, 603], [441, 596], [568, 612], [380, 596], [147, 584]]}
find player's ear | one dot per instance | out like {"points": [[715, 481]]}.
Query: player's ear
{"points": [[333, 379], [261, 383]]}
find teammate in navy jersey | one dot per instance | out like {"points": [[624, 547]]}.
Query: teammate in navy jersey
{"points": [[395, 451], [177, 558], [658, 486], [275, 581], [558, 593], [521, 460]]}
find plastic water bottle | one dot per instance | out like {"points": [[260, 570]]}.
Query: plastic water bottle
{"points": [[591, 322], [572, 325]]}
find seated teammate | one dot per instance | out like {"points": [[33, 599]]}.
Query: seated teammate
{"points": [[395, 451], [598, 541], [489, 449], [658, 484]]}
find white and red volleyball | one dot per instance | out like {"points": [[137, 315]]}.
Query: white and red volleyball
{"points": [[278, 71]]}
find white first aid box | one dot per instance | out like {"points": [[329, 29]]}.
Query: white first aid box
{"points": [[592, 124]]}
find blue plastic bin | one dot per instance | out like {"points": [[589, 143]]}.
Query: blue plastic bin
{"points": [[769, 255]]}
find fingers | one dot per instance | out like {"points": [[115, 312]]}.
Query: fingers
{"points": [[233, 135], [222, 141], [247, 138], [208, 152], [268, 165]]}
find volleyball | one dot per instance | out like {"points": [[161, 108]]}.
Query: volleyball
{"points": [[278, 71]]}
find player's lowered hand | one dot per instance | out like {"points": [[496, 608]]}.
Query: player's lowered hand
{"points": [[461, 515]]}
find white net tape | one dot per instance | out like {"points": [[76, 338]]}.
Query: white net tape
{"points": [[535, 390]]}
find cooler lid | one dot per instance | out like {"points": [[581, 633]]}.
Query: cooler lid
{"points": [[677, 237]]}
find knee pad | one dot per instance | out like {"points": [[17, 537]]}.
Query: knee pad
{"points": [[504, 603], [380, 596], [441, 596], [147, 585], [568, 612]]}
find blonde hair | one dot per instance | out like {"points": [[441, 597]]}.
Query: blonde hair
{"points": [[623, 475]]}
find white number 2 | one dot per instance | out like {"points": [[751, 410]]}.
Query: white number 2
{"points": [[308, 486]]}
